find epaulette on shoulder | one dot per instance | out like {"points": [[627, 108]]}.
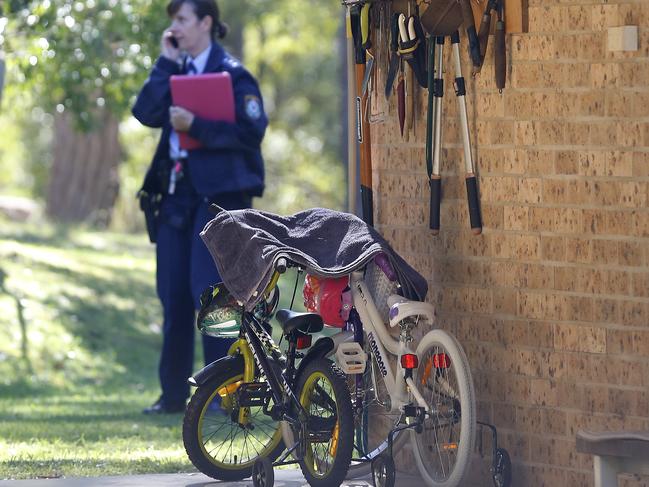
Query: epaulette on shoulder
{"points": [[231, 62]]}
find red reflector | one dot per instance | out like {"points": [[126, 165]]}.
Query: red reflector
{"points": [[409, 361], [441, 361], [303, 341]]}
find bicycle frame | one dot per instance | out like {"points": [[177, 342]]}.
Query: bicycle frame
{"points": [[258, 342], [381, 343]]}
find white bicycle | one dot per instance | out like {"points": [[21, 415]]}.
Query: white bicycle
{"points": [[428, 397]]}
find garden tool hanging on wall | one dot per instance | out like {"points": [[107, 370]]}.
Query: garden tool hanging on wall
{"points": [[445, 17], [359, 23], [395, 70], [434, 125], [412, 49], [500, 52]]}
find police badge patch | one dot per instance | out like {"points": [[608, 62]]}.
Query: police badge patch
{"points": [[253, 107]]}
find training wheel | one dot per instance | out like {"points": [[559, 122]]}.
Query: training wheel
{"points": [[383, 471], [262, 473], [502, 475]]}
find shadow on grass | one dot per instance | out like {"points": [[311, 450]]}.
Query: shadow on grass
{"points": [[118, 333]]}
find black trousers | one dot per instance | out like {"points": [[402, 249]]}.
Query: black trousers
{"points": [[184, 269]]}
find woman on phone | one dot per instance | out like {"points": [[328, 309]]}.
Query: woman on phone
{"points": [[180, 185]]}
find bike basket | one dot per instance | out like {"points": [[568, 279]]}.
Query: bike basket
{"points": [[220, 314], [328, 298], [380, 286]]}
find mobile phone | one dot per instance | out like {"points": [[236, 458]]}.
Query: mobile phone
{"points": [[174, 42]]}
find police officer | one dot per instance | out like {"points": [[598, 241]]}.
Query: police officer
{"points": [[227, 170]]}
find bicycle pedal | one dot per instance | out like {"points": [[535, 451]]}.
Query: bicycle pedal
{"points": [[351, 358], [320, 430], [252, 394]]}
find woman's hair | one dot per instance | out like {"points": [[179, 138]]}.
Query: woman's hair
{"points": [[202, 8]]}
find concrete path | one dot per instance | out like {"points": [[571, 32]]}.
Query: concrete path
{"points": [[283, 478]]}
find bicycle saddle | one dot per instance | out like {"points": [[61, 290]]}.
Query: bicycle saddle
{"points": [[304, 322]]}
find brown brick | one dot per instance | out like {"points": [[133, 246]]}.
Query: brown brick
{"points": [[641, 162], [543, 392], [604, 75], [577, 338], [619, 163], [541, 334], [606, 310], [516, 217], [567, 162], [635, 313], [505, 301], [640, 283], [605, 252], [529, 190], [553, 248], [578, 250], [578, 308]]}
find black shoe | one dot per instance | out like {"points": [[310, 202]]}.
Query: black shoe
{"points": [[163, 407]]}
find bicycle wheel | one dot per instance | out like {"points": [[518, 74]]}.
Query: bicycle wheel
{"points": [[373, 420], [443, 450], [323, 393], [214, 440]]}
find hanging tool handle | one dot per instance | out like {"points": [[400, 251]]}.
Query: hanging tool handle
{"points": [[434, 180], [365, 26], [362, 126], [500, 54], [401, 102], [429, 114], [469, 22], [474, 204], [435, 200], [483, 35]]}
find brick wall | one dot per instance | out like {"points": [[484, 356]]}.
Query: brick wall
{"points": [[551, 302]]}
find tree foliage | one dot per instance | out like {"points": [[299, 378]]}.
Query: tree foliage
{"points": [[83, 56], [86, 56]]}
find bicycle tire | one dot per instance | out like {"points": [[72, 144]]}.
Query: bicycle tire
{"points": [[317, 382], [200, 415], [447, 390]]}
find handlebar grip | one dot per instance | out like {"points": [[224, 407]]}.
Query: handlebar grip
{"points": [[281, 265], [500, 54]]}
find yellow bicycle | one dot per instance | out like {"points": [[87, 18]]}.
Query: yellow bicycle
{"points": [[233, 423]]}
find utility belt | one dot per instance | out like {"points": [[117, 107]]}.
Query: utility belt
{"points": [[164, 178]]}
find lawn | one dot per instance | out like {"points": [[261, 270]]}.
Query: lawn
{"points": [[79, 340]]}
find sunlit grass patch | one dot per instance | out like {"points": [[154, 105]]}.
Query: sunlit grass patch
{"points": [[79, 344]]}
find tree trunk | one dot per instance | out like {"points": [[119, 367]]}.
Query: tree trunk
{"points": [[84, 181]]}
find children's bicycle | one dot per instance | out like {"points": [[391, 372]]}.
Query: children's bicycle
{"points": [[232, 427], [428, 398]]}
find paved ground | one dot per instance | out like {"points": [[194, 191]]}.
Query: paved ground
{"points": [[283, 478]]}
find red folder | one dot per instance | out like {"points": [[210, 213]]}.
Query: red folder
{"points": [[208, 96]]}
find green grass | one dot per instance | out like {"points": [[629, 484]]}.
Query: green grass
{"points": [[79, 342], [80, 336]]}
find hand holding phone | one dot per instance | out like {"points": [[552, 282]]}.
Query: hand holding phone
{"points": [[169, 46]]}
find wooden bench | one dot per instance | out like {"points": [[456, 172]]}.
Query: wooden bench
{"points": [[615, 452]]}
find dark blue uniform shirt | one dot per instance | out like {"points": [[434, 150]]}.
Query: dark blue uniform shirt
{"points": [[230, 159]]}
